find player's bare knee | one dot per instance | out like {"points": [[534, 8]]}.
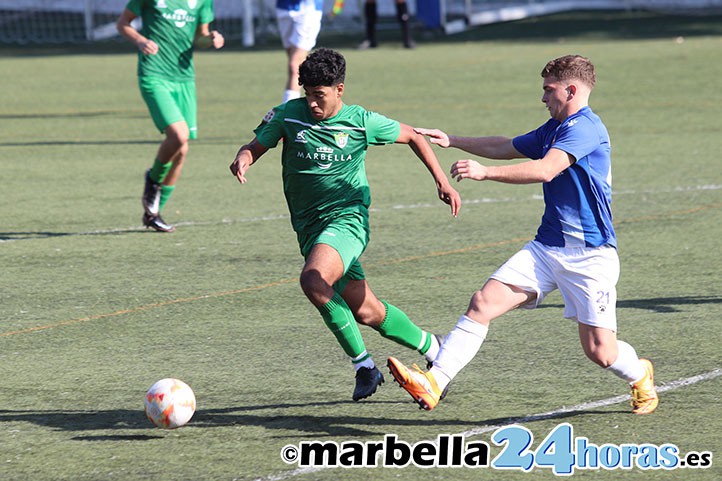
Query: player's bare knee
{"points": [[478, 309], [307, 279], [178, 137], [175, 149], [313, 285], [601, 357], [476, 303]]}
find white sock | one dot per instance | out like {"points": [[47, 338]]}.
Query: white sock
{"points": [[368, 362], [433, 351], [290, 95], [459, 348], [627, 365]]}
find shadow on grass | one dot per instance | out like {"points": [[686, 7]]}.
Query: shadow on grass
{"points": [[117, 437], [662, 305], [61, 143], [16, 236], [344, 426], [129, 420], [78, 114], [102, 143], [121, 419], [306, 425]]}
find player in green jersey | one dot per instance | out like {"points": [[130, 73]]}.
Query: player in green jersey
{"points": [[324, 181], [166, 76]]}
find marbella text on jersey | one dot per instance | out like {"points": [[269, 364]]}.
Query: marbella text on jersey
{"points": [[324, 156]]}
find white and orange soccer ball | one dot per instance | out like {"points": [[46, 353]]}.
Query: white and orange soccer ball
{"points": [[170, 403]]}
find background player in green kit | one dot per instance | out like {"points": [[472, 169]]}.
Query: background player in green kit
{"points": [[166, 76], [324, 181]]}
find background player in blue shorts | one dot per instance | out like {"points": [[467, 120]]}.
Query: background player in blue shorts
{"points": [[299, 23]]}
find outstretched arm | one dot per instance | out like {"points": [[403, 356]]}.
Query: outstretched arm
{"points": [[532, 171], [496, 147], [424, 152], [245, 157]]}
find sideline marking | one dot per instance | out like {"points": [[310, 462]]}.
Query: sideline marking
{"points": [[670, 386], [484, 200]]}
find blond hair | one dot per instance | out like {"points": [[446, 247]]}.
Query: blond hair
{"points": [[571, 67]]}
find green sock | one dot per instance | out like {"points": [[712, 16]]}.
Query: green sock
{"points": [[159, 171], [165, 192], [399, 328], [339, 319]]}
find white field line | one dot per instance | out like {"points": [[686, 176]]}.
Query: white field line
{"points": [[484, 200], [670, 386]]}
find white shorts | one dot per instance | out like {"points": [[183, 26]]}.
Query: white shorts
{"points": [[299, 29], [585, 276]]}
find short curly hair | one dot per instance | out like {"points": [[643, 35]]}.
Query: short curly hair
{"points": [[571, 67], [322, 68]]}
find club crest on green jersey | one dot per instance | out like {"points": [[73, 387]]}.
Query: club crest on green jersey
{"points": [[341, 139], [269, 116]]}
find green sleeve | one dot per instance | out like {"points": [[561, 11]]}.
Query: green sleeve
{"points": [[381, 130], [270, 131], [206, 13], [135, 6]]}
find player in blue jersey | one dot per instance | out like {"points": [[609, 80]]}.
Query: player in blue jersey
{"points": [[574, 249], [299, 23]]}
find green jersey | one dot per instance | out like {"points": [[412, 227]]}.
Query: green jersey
{"points": [[324, 175], [172, 24]]}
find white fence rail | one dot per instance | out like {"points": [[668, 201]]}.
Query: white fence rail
{"points": [[77, 21]]}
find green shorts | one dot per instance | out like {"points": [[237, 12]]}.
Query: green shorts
{"points": [[348, 235], [170, 102]]}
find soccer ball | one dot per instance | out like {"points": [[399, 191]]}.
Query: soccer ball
{"points": [[170, 403]]}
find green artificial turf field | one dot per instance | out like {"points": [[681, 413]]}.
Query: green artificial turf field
{"points": [[94, 308]]}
